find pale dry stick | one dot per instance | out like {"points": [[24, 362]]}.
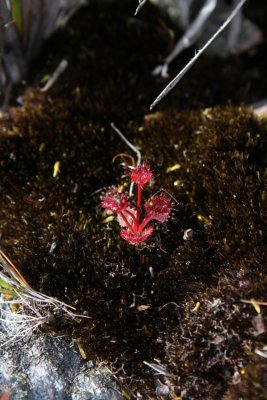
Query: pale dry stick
{"points": [[191, 35], [167, 304], [141, 4], [137, 152], [261, 353], [56, 74], [158, 368], [180, 75], [252, 302], [113, 126], [235, 29], [260, 108]]}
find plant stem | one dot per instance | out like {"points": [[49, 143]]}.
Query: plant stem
{"points": [[132, 216], [138, 206], [144, 223], [126, 221]]}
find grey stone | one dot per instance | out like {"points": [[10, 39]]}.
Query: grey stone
{"points": [[43, 368]]}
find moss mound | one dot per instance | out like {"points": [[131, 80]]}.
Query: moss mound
{"points": [[172, 301]]}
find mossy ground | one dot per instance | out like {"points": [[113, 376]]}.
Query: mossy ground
{"points": [[52, 227]]}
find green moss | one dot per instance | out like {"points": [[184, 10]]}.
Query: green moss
{"points": [[52, 226]]}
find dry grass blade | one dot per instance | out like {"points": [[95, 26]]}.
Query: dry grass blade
{"points": [[23, 309], [260, 303], [9, 267]]}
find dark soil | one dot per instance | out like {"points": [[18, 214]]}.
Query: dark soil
{"points": [[54, 229]]}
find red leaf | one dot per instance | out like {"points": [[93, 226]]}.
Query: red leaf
{"points": [[158, 208], [136, 237], [115, 202], [141, 174]]}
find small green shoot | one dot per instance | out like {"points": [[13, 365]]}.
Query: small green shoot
{"points": [[17, 15]]}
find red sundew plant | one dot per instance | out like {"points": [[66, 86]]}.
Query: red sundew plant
{"points": [[134, 230]]}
